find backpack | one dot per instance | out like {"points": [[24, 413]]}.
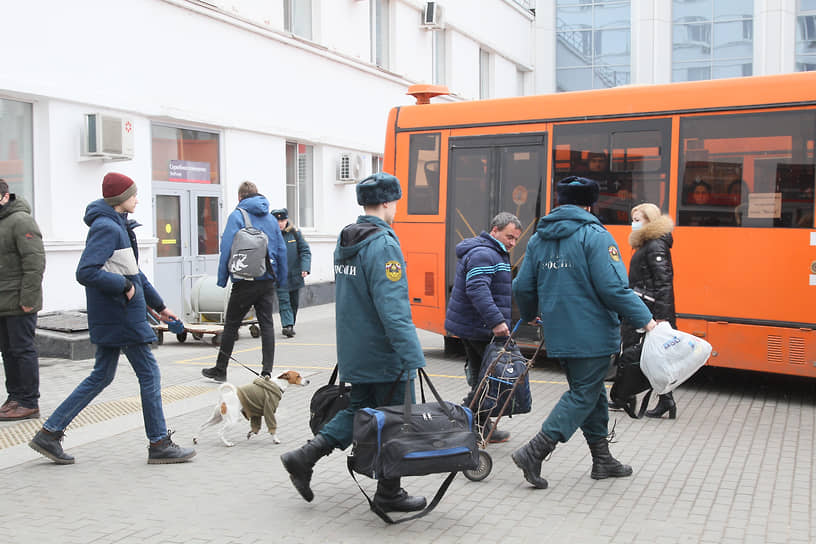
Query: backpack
{"points": [[248, 254]]}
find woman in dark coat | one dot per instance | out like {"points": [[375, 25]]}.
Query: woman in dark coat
{"points": [[651, 276]]}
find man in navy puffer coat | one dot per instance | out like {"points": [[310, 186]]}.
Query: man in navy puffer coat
{"points": [[480, 302], [118, 296]]}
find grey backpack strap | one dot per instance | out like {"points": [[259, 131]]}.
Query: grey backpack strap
{"points": [[247, 220]]}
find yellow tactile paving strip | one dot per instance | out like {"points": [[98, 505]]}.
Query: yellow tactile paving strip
{"points": [[22, 431]]}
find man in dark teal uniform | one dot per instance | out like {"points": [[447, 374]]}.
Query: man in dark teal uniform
{"points": [[377, 342], [573, 278]]}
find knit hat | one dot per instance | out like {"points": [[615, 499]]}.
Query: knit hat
{"points": [[281, 213], [578, 191], [378, 188], [116, 188]]}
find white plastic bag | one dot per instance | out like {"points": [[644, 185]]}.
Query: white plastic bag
{"points": [[670, 357]]}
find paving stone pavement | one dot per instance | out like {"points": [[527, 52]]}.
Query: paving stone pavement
{"points": [[737, 465]]}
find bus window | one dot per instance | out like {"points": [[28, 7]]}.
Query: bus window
{"points": [[747, 170], [423, 174], [629, 160]]}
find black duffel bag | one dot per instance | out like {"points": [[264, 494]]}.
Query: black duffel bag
{"points": [[327, 401], [630, 381], [413, 440]]}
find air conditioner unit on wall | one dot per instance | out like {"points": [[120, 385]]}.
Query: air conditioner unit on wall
{"points": [[432, 15], [107, 137], [349, 167]]}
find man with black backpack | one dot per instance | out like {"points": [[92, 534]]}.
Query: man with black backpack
{"points": [[254, 257]]}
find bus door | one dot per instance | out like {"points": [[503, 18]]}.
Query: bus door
{"points": [[488, 175]]}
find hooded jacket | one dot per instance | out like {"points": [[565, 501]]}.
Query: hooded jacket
{"points": [[482, 289], [258, 207], [109, 261], [376, 338], [651, 273], [573, 278], [298, 256], [260, 398], [22, 259]]}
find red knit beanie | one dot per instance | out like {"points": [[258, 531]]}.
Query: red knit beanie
{"points": [[116, 188]]}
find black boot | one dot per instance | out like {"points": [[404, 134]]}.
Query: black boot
{"points": [[48, 443], [603, 464], [390, 497], [215, 373], [529, 457], [298, 463], [165, 451], [664, 404]]}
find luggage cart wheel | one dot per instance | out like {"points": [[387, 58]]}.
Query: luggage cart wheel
{"points": [[216, 339], [198, 335], [254, 331], [483, 470], [181, 337]]}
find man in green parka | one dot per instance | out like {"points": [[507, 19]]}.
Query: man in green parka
{"points": [[377, 343], [572, 278], [22, 263]]}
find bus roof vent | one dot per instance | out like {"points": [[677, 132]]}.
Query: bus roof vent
{"points": [[424, 93]]}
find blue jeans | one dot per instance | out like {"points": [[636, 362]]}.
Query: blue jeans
{"points": [[584, 405], [107, 357], [22, 366]]}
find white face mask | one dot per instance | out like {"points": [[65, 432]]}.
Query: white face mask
{"points": [[637, 225]]}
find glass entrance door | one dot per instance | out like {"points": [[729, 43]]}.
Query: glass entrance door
{"points": [[188, 230], [492, 174]]}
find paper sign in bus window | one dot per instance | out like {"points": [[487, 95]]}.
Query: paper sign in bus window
{"points": [[765, 205]]}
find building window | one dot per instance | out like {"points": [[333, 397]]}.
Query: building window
{"points": [[380, 18], [439, 65], [297, 17], [806, 36], [16, 156], [184, 155], [712, 39], [300, 183], [593, 44], [484, 74]]}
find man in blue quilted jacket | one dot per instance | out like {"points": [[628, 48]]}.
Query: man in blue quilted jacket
{"points": [[118, 296], [480, 302]]}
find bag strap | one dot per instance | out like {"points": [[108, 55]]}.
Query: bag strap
{"points": [[407, 402], [385, 517], [333, 379], [247, 220], [630, 408]]}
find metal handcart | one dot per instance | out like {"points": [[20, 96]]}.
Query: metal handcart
{"points": [[483, 394], [206, 321]]}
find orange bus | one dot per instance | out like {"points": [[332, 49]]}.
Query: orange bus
{"points": [[731, 161]]}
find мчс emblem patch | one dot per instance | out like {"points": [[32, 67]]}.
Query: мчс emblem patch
{"points": [[613, 253], [393, 270]]}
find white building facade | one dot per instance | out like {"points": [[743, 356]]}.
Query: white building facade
{"points": [[194, 97]]}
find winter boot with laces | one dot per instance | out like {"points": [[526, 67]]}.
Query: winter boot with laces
{"points": [[165, 451], [529, 457], [48, 443], [603, 464]]}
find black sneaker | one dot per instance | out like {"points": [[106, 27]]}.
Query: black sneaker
{"points": [[48, 444], [288, 331], [215, 373], [165, 451]]}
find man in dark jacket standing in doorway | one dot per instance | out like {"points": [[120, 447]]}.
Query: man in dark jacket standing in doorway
{"points": [[299, 264], [573, 278], [22, 263], [377, 342], [480, 302]]}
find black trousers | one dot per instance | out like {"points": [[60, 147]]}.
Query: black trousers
{"points": [[243, 296], [20, 360], [474, 352]]}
